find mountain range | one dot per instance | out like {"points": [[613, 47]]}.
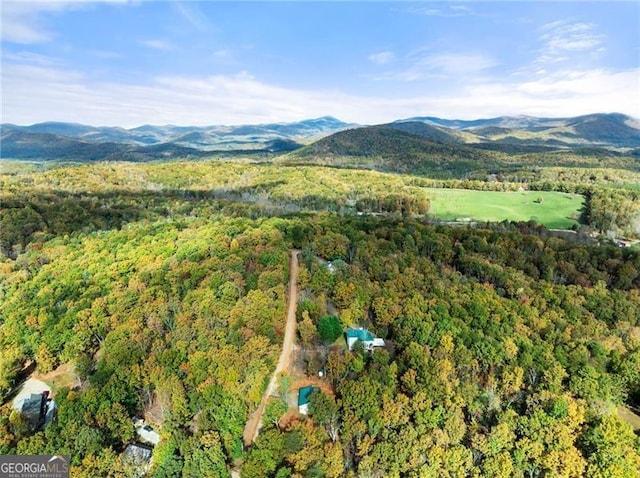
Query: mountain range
{"points": [[322, 136], [612, 130]]}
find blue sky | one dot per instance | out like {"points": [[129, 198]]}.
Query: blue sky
{"points": [[134, 62]]}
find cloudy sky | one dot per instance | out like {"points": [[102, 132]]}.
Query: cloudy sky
{"points": [[129, 63]]}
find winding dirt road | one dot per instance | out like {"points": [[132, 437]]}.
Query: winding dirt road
{"points": [[252, 428]]}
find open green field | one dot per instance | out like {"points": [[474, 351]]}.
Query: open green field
{"points": [[556, 210]]}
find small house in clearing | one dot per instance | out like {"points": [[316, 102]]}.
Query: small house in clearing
{"points": [[364, 336], [304, 397]]}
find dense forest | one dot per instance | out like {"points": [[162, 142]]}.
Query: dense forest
{"points": [[498, 363], [509, 350], [57, 201]]}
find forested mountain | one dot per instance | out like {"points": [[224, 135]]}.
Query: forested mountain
{"points": [[47, 146], [425, 130], [390, 149], [431, 151], [511, 135]]}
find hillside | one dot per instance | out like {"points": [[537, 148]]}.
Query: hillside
{"points": [[76, 142], [27, 145], [46, 146], [430, 132], [53, 147], [613, 128], [389, 149]]}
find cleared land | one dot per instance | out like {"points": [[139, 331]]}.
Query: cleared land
{"points": [[554, 210], [629, 416]]}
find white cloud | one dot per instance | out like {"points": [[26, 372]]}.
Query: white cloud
{"points": [[562, 38], [451, 11], [565, 93], [159, 45], [222, 53], [22, 21], [427, 11], [35, 93], [458, 66], [382, 58], [105, 54], [30, 58], [460, 8], [192, 14]]}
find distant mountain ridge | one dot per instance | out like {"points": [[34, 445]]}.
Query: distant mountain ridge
{"points": [[609, 130], [419, 145], [71, 141], [150, 134]]}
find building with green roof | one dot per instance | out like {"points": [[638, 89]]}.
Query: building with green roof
{"points": [[364, 336], [304, 397]]}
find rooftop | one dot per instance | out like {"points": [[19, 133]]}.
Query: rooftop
{"points": [[138, 453], [361, 334], [148, 434], [303, 395]]}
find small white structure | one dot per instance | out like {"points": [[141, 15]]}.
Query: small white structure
{"points": [[375, 343], [148, 434]]}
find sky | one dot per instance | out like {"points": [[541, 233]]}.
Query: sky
{"points": [[128, 63]]}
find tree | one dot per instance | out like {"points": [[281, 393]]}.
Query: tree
{"points": [[306, 329], [329, 328], [274, 411], [10, 361], [204, 456], [613, 449], [284, 386], [324, 410]]}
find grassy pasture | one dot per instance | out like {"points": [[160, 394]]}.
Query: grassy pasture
{"points": [[555, 210]]}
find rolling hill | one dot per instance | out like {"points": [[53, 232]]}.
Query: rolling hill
{"points": [[390, 149], [34, 145], [428, 131], [47, 146]]}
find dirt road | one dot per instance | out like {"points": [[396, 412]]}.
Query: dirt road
{"points": [[252, 428]]}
